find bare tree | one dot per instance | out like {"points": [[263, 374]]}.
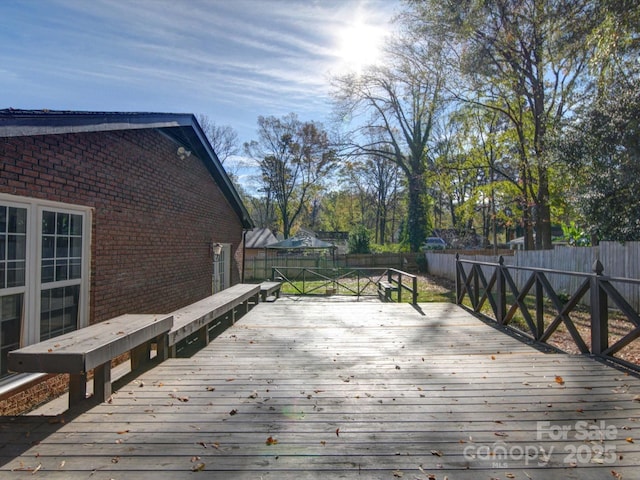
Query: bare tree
{"points": [[295, 159], [223, 138], [400, 103]]}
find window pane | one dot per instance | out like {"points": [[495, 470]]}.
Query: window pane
{"points": [[75, 269], [76, 225], [3, 219], [17, 220], [58, 311], [15, 274], [76, 247], [48, 246], [47, 271], [48, 223], [62, 247], [10, 318], [62, 269], [62, 227], [3, 246]]}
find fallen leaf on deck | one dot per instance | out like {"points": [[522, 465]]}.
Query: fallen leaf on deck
{"points": [[337, 432], [501, 434], [195, 459], [198, 468], [233, 412], [398, 474], [271, 441], [437, 453], [115, 459], [210, 389], [510, 475], [122, 432], [35, 470], [493, 357], [559, 380], [629, 440], [62, 463]]}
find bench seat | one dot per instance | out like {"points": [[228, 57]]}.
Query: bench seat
{"points": [[384, 290], [270, 289], [197, 317], [92, 348]]}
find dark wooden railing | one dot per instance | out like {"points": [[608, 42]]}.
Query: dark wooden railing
{"points": [[345, 281], [499, 292]]}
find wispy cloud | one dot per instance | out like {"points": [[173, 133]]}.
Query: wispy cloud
{"points": [[230, 59]]}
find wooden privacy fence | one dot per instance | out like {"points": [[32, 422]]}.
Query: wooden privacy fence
{"points": [[259, 268], [539, 311], [619, 260], [346, 281]]}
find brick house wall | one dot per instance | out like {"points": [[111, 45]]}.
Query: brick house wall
{"points": [[155, 214]]}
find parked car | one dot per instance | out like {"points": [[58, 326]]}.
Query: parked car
{"points": [[434, 243]]}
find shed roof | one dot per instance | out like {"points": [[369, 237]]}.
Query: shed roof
{"points": [[259, 238], [183, 128], [301, 244]]}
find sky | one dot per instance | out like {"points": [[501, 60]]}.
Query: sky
{"points": [[231, 60]]}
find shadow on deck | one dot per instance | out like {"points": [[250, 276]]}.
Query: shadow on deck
{"points": [[336, 389]]}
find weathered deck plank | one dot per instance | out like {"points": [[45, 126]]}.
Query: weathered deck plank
{"points": [[348, 390]]}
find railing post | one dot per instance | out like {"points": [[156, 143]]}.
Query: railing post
{"points": [[415, 290], [539, 309], [458, 278], [501, 293], [400, 287], [599, 312]]}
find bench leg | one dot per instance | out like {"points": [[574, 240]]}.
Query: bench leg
{"points": [[102, 382], [77, 388], [162, 348], [140, 355]]}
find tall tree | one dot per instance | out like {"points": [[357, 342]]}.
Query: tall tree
{"points": [[295, 159], [526, 59], [400, 102], [223, 138]]}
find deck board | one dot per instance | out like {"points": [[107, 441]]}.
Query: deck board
{"points": [[348, 390]]}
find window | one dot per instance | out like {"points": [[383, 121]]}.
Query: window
{"points": [[44, 271], [222, 269]]}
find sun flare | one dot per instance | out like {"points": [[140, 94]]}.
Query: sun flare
{"points": [[360, 45]]}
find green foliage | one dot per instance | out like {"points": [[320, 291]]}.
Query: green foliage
{"points": [[604, 152], [576, 236], [389, 248], [360, 240]]}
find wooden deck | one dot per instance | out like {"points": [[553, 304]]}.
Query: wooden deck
{"points": [[368, 390]]}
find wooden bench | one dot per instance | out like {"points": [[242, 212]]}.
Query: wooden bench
{"points": [[93, 348], [270, 291], [384, 290], [222, 307]]}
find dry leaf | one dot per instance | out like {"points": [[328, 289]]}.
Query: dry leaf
{"points": [[122, 432], [35, 470], [337, 432], [559, 380], [510, 475], [398, 474], [233, 412], [198, 468], [629, 440], [271, 441], [437, 453]]}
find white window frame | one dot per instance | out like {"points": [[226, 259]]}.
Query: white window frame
{"points": [[33, 285], [223, 261]]}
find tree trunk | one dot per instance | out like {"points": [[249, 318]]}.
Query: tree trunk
{"points": [[418, 210]]}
